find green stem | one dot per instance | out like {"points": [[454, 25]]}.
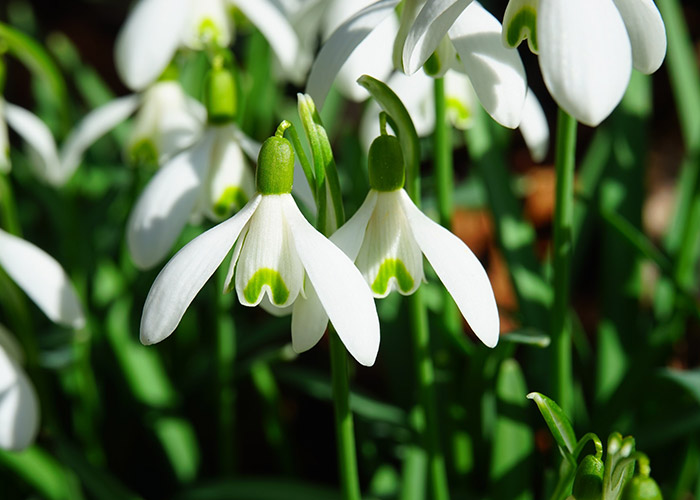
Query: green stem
{"points": [[344, 427], [563, 223], [226, 358], [444, 179]]}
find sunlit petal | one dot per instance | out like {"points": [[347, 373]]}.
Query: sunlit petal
{"points": [[349, 237], [208, 24], [646, 31], [534, 128], [309, 320], [42, 279], [459, 270], [186, 273], [19, 406]]}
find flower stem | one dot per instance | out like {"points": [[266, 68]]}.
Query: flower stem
{"points": [[444, 179], [563, 221], [344, 427]]}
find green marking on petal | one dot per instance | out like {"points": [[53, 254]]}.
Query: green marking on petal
{"points": [[232, 200], [392, 268], [143, 152], [271, 278], [209, 32], [458, 112], [521, 26]]}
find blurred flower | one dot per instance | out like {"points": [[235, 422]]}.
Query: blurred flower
{"points": [[439, 28], [156, 28], [587, 48], [19, 405], [277, 256], [167, 121], [42, 279]]}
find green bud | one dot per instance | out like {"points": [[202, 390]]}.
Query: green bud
{"points": [[275, 172], [386, 166], [642, 488], [588, 483], [220, 96]]}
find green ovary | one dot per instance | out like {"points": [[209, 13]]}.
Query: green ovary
{"points": [[392, 268], [231, 200], [523, 22], [271, 278], [143, 152]]}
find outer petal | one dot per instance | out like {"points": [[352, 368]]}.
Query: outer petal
{"points": [[185, 274], [349, 237], [272, 23], [428, 30], [341, 289], [149, 38], [496, 72], [341, 44], [459, 270], [646, 31], [93, 126], [19, 406], [585, 56], [39, 139], [42, 278], [166, 204], [309, 320], [534, 128]]}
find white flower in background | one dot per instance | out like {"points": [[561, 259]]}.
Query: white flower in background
{"points": [[416, 92], [387, 238], [210, 178], [38, 137], [277, 257], [155, 29], [42, 279], [587, 48], [19, 405], [167, 121], [445, 27]]}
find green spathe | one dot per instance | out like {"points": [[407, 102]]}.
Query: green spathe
{"points": [[386, 166], [271, 278], [392, 268], [275, 172], [220, 96]]}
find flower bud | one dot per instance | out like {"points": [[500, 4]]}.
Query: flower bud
{"points": [[275, 172], [220, 96], [642, 488], [386, 166], [588, 483]]}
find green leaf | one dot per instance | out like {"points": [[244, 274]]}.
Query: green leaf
{"points": [[689, 380], [558, 423]]}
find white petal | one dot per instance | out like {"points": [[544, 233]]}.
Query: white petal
{"points": [[309, 320], [249, 146], [186, 273], [460, 99], [93, 126], [40, 141], [5, 164], [272, 23], [350, 236], [42, 279], [534, 128], [646, 31], [274, 310], [389, 258], [585, 56], [208, 24], [428, 30], [148, 40], [166, 204], [459, 270], [341, 289], [268, 263], [11, 346], [19, 406], [341, 44], [496, 72]]}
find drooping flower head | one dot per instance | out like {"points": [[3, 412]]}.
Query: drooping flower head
{"points": [[277, 257]]}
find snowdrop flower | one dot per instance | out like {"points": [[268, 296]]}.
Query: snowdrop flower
{"points": [[155, 29], [587, 48], [167, 121], [19, 404], [441, 27], [40, 142], [277, 256], [416, 92], [42, 279], [387, 238]]}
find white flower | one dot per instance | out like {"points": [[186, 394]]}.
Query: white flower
{"points": [[167, 121], [210, 178], [156, 28], [463, 27], [19, 405], [42, 279], [42, 147], [587, 48], [277, 257]]}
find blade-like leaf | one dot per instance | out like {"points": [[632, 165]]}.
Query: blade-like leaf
{"points": [[558, 423]]}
